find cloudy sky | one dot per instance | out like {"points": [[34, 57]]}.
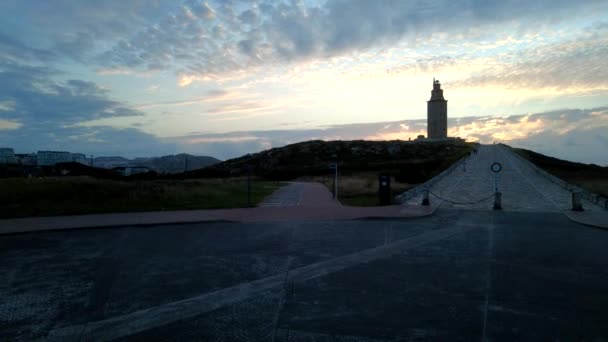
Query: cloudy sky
{"points": [[228, 77]]}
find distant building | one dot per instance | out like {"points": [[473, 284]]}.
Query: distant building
{"points": [[49, 158], [7, 156], [79, 158], [437, 114], [130, 170], [27, 159]]}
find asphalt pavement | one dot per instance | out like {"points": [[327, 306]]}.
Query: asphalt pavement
{"points": [[457, 275]]}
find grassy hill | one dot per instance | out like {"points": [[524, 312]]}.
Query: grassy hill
{"points": [[411, 162], [359, 163], [73, 188], [591, 177]]}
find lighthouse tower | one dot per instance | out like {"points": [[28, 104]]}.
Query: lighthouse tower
{"points": [[437, 114]]}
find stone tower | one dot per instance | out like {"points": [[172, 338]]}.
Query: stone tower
{"points": [[437, 114]]}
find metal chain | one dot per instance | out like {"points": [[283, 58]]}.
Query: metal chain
{"points": [[460, 203]]}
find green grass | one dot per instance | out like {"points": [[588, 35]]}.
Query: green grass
{"points": [[85, 195], [359, 189]]}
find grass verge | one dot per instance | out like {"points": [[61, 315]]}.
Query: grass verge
{"points": [[359, 189], [22, 197]]}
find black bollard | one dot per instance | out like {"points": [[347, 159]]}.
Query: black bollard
{"points": [[497, 201], [577, 205], [425, 197]]}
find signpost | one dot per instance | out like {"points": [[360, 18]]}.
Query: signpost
{"points": [[496, 168]]}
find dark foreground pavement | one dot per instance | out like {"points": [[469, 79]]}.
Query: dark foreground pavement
{"points": [[458, 275]]}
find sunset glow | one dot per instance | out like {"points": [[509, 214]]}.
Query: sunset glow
{"points": [[223, 77]]}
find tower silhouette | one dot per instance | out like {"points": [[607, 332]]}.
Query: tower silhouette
{"points": [[437, 113]]}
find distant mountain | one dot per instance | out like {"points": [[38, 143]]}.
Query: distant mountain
{"points": [[110, 162], [165, 164], [175, 163]]}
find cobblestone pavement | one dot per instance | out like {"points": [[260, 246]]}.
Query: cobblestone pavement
{"points": [[471, 185], [458, 275]]}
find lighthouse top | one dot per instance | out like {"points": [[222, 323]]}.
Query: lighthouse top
{"points": [[437, 92]]}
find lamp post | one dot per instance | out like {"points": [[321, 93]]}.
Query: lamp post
{"points": [[496, 168], [335, 168], [249, 180]]}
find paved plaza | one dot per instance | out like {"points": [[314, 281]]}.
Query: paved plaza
{"points": [[458, 275], [522, 188]]}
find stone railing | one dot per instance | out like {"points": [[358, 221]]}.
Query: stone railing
{"points": [[589, 196], [418, 189]]}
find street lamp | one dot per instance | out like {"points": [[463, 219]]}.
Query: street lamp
{"points": [[249, 180], [335, 168]]}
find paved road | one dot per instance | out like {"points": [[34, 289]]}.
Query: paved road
{"points": [[458, 275], [521, 187]]}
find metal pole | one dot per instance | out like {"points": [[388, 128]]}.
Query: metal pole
{"points": [[336, 182], [249, 186], [249, 167]]}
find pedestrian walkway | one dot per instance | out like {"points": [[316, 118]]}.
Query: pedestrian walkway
{"points": [[287, 196], [472, 185], [301, 194], [314, 202]]}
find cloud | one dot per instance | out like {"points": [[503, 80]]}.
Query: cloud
{"points": [[106, 141], [573, 65], [7, 105], [240, 108], [38, 100], [572, 134], [9, 125], [211, 96], [114, 71], [37, 112], [153, 88], [12, 49], [220, 40], [282, 32]]}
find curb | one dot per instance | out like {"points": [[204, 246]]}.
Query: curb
{"points": [[586, 219], [109, 226], [392, 218], [15, 230]]}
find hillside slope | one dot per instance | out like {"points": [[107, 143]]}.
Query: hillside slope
{"points": [[165, 164], [591, 177], [411, 162], [175, 163]]}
